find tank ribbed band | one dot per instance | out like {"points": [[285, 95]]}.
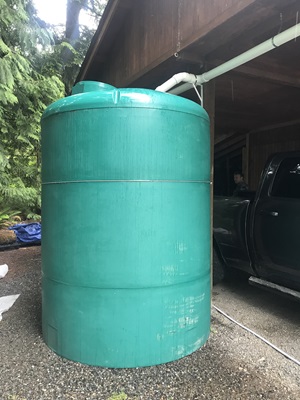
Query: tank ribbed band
{"points": [[127, 180]]}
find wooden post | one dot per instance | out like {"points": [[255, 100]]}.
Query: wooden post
{"points": [[209, 106]]}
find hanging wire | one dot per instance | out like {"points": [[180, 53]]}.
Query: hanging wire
{"points": [[280, 26], [198, 94]]}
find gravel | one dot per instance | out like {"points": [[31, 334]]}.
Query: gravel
{"points": [[232, 365]]}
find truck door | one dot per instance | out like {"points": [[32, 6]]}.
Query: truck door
{"points": [[276, 223], [230, 230]]}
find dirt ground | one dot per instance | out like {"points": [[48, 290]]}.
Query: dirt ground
{"points": [[234, 364]]}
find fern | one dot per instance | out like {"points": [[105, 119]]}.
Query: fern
{"points": [[33, 217], [4, 49], [7, 217], [6, 76]]}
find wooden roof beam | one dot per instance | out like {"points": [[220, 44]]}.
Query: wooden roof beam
{"points": [[240, 10], [274, 77], [217, 23], [278, 75]]}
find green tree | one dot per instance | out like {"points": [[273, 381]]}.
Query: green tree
{"points": [[24, 94], [77, 38], [38, 65]]}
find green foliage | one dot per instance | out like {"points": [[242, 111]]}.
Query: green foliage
{"points": [[71, 49], [8, 217], [34, 217], [38, 65], [25, 92], [118, 396]]}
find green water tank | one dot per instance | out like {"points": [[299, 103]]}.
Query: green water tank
{"points": [[126, 226]]}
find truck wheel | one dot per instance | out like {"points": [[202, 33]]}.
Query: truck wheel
{"points": [[218, 269]]}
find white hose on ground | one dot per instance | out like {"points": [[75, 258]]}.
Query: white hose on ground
{"points": [[259, 336]]}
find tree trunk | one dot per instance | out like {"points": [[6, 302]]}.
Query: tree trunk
{"points": [[72, 35], [72, 22]]}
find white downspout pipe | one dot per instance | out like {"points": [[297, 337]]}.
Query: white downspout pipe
{"points": [[270, 44], [178, 78]]}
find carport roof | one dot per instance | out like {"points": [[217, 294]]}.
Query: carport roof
{"points": [[263, 92]]}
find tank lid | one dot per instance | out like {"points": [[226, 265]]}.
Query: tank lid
{"points": [[96, 95], [90, 86]]}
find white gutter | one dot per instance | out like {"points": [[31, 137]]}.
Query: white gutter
{"points": [[190, 79]]}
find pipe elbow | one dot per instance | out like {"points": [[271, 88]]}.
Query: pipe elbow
{"points": [[176, 79]]}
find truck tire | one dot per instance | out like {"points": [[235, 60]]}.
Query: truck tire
{"points": [[218, 268]]}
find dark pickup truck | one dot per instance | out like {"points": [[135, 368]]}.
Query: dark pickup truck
{"points": [[259, 232]]}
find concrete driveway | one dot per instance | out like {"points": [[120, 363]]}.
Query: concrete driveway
{"points": [[274, 317]]}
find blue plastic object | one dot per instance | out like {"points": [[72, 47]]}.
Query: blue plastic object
{"points": [[28, 233]]}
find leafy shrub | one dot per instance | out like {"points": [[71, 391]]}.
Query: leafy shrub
{"points": [[8, 217]]}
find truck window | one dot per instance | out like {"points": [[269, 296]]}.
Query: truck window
{"points": [[287, 179]]}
